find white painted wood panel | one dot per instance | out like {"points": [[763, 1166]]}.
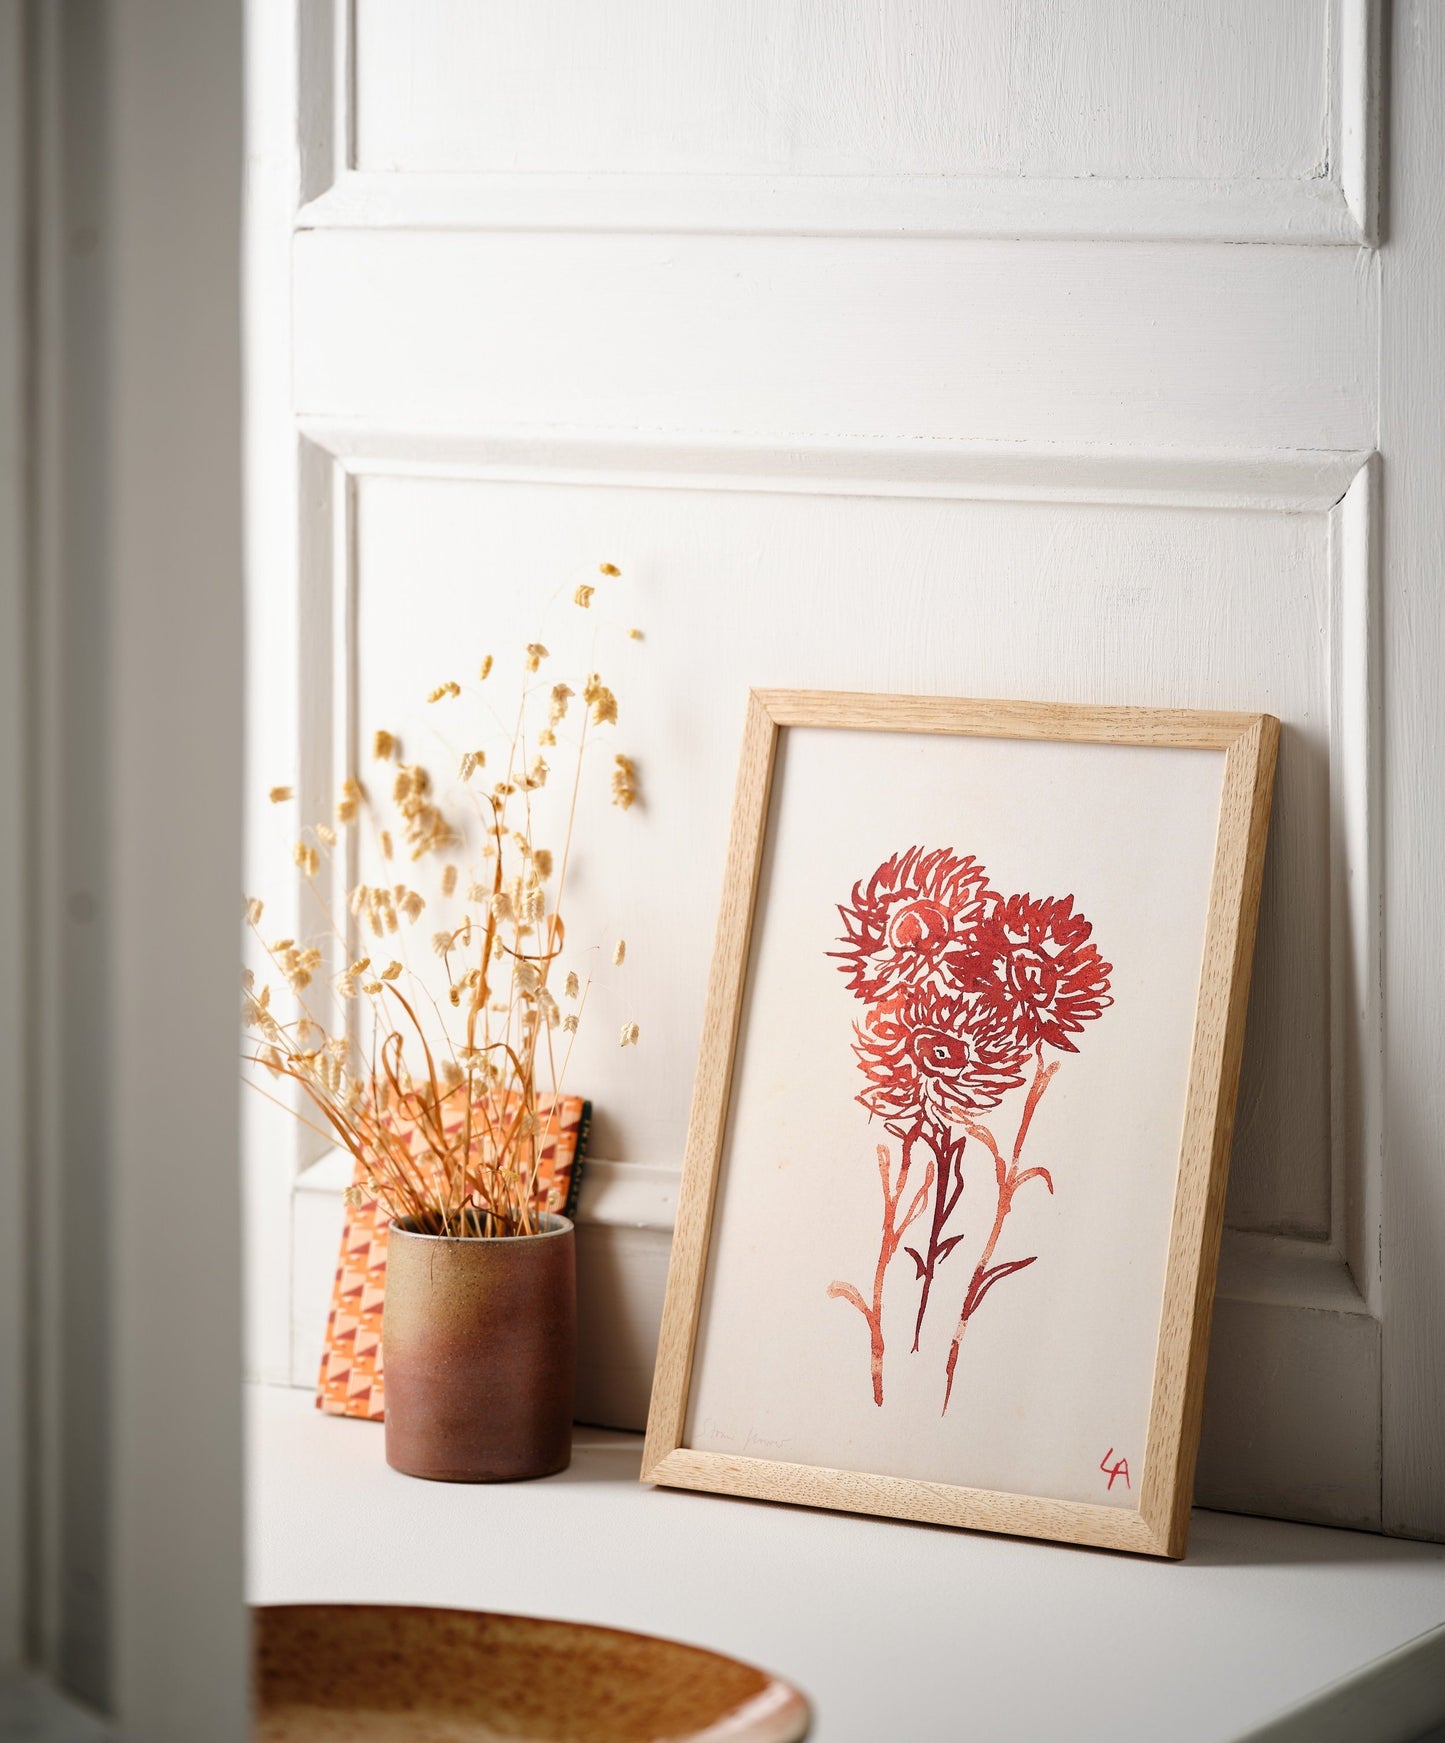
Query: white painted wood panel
{"points": [[1113, 119], [1117, 88], [1063, 345], [1413, 391], [737, 590]]}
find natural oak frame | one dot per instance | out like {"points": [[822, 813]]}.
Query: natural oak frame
{"points": [[1160, 1523]]}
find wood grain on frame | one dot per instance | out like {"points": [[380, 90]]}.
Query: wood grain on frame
{"points": [[1159, 1526]]}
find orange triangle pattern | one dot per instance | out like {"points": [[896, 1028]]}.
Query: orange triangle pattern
{"points": [[351, 1381]]}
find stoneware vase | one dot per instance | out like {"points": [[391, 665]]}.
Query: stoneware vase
{"points": [[479, 1346]]}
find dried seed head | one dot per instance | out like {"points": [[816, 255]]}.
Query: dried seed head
{"points": [[360, 966], [573, 986], [600, 700], [526, 975], [536, 775], [352, 793], [583, 596], [326, 834], [373, 986], [345, 985], [542, 861], [557, 708], [450, 688], [252, 908], [441, 942], [630, 1033], [624, 782], [411, 905], [307, 860], [546, 738], [484, 671], [502, 909], [385, 746], [386, 844], [536, 653], [391, 971], [608, 569], [547, 1008], [619, 953], [569, 1023], [354, 1197], [427, 831], [472, 760], [279, 795], [478, 893], [635, 635], [449, 879], [412, 783]]}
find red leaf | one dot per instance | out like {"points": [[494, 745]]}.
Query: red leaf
{"points": [[989, 1278]]}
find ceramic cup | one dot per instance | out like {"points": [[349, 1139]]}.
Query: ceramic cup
{"points": [[479, 1345]]}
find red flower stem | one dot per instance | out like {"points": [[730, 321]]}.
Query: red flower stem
{"points": [[892, 1235], [946, 1195], [1008, 1180]]}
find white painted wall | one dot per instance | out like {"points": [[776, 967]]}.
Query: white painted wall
{"points": [[789, 311]]}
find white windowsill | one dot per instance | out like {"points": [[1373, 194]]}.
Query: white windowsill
{"points": [[894, 1630]]}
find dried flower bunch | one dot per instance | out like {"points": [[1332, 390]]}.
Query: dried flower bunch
{"points": [[443, 1092], [963, 988]]}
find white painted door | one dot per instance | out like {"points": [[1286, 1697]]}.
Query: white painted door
{"points": [[979, 349]]}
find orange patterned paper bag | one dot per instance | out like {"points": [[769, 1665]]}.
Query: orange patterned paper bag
{"points": [[351, 1370]]}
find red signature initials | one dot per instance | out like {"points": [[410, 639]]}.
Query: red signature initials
{"points": [[1120, 1468]]}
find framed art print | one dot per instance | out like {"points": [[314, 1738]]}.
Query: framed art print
{"points": [[955, 1172]]}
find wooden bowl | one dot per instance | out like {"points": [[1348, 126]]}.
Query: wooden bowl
{"points": [[393, 1673]]}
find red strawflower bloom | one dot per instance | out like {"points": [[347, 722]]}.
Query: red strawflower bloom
{"points": [[939, 1055], [918, 914], [1046, 980]]}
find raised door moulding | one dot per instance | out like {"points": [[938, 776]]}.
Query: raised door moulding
{"points": [[1338, 1275], [1338, 206]]}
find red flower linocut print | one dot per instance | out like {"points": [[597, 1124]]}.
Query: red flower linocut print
{"points": [[964, 990]]}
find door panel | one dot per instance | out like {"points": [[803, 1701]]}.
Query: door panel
{"points": [[758, 304]]}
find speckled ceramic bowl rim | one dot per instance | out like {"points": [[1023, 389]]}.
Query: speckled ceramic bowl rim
{"points": [[557, 1225]]}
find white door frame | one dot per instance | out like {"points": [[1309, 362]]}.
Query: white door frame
{"points": [[12, 841], [126, 1389]]}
